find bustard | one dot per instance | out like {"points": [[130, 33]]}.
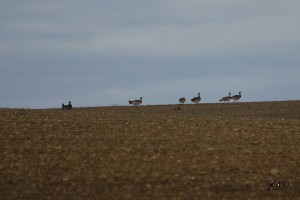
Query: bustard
{"points": [[136, 102], [227, 98], [69, 106], [196, 99], [236, 97], [182, 100]]}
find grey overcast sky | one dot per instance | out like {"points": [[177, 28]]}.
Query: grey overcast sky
{"points": [[100, 53]]}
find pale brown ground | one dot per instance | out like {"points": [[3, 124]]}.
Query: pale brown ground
{"points": [[206, 151]]}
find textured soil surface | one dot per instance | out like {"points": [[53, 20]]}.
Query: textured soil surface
{"points": [[205, 151]]}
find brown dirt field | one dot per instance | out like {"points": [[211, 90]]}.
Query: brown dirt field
{"points": [[206, 151]]}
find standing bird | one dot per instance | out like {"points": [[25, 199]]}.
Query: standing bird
{"points": [[182, 100], [227, 98], [196, 99], [236, 97], [136, 102]]}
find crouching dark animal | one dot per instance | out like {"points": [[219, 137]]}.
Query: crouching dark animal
{"points": [[67, 107]]}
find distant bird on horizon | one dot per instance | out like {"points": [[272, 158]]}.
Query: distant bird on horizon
{"points": [[236, 97], [197, 99], [182, 100], [68, 107], [226, 99], [136, 102]]}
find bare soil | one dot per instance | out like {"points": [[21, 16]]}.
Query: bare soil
{"points": [[205, 151]]}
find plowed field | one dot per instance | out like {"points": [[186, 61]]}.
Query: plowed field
{"points": [[205, 151]]}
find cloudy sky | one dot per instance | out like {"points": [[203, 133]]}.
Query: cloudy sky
{"points": [[100, 53]]}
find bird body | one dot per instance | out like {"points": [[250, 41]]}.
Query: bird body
{"points": [[68, 107], [196, 99], [182, 100], [226, 99], [236, 97], [136, 102]]}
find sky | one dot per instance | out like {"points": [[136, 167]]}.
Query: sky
{"points": [[103, 53]]}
